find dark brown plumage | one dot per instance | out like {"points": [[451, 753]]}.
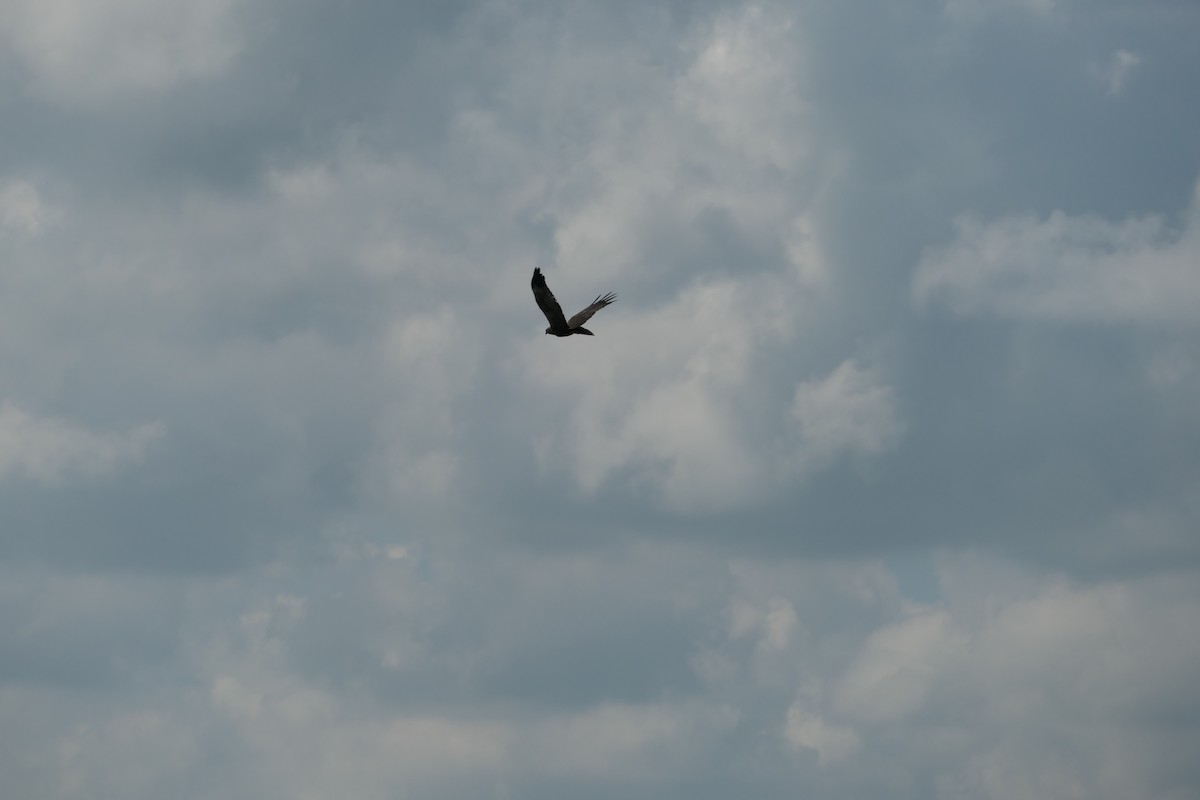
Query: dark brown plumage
{"points": [[559, 324]]}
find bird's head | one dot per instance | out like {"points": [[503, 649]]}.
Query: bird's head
{"points": [[547, 330]]}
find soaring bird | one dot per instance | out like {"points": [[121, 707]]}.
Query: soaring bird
{"points": [[559, 324]]}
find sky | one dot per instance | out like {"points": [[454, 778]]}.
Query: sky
{"points": [[881, 479]]}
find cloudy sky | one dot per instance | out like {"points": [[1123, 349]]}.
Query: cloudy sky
{"points": [[881, 479]]}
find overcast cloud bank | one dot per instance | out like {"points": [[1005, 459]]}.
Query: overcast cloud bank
{"points": [[881, 479]]}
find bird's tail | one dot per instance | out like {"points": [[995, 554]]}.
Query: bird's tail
{"points": [[584, 331]]}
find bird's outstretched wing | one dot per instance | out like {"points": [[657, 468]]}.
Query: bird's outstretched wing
{"points": [[547, 303], [597, 304]]}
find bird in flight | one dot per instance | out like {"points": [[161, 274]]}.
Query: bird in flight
{"points": [[559, 324]]}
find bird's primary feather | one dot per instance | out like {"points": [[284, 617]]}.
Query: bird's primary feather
{"points": [[583, 316]]}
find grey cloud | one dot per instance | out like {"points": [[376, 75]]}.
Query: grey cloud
{"points": [[76, 632], [305, 503]]}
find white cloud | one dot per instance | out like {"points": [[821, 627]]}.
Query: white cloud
{"points": [[674, 414], [133, 753], [716, 172], [635, 740], [86, 52], [50, 450], [745, 85], [430, 363], [307, 737], [1011, 664], [1119, 68], [1070, 268], [977, 693], [774, 625], [900, 664], [23, 210], [807, 731], [727, 135], [850, 412]]}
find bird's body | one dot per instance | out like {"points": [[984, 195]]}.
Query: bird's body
{"points": [[559, 324], [569, 332]]}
